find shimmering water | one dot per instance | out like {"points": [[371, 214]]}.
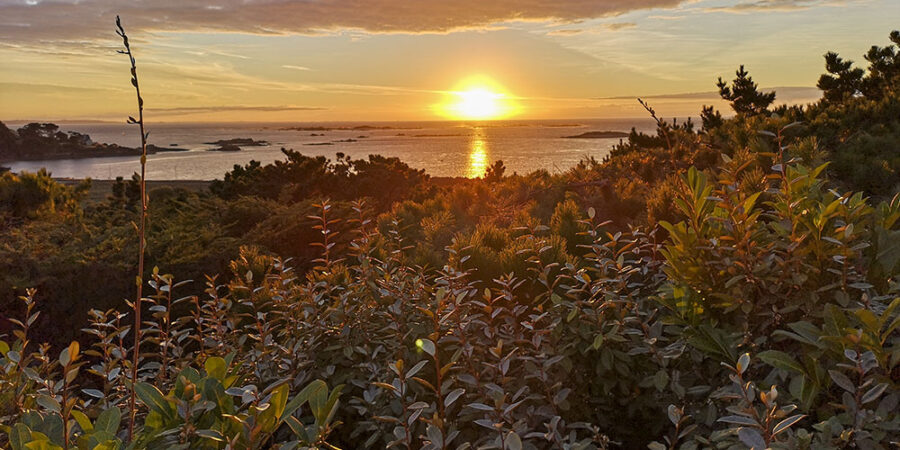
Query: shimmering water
{"points": [[441, 148]]}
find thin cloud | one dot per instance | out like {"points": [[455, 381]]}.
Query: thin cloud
{"points": [[619, 26], [180, 111], [288, 66], [44, 88], [92, 19], [569, 32], [773, 6], [663, 17]]}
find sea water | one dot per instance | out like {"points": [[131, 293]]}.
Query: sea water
{"points": [[444, 149]]}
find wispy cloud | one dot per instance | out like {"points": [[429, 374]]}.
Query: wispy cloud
{"points": [[302, 68], [567, 32], [88, 19], [773, 5], [665, 17], [619, 25], [181, 111]]}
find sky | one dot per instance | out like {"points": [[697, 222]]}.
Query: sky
{"points": [[385, 60]]}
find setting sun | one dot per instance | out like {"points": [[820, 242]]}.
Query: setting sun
{"points": [[478, 104], [477, 98]]}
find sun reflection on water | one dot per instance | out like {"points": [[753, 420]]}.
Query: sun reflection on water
{"points": [[478, 158]]}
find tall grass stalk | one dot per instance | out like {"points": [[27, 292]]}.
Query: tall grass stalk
{"points": [[141, 227]]}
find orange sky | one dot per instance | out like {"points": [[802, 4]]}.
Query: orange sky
{"points": [[387, 60]]}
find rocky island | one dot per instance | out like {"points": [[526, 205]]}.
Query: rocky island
{"points": [[239, 142], [599, 135], [44, 141], [225, 148]]}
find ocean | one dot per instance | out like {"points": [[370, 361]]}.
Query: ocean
{"points": [[444, 149]]}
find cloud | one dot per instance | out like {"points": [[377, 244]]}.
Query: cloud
{"points": [[67, 20], [569, 32], [180, 111], [619, 26], [615, 26], [772, 5], [288, 66], [52, 89]]}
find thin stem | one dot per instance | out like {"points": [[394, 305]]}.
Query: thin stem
{"points": [[141, 228]]}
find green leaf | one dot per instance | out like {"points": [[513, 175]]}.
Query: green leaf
{"points": [[83, 421], [743, 363], [109, 420], [873, 393], [215, 367], [751, 438], [738, 420], [19, 436], [780, 360], [304, 396], [675, 414], [786, 423], [513, 441], [453, 396], [49, 403], [211, 434], [153, 398], [279, 398], [842, 380], [426, 345], [598, 341], [416, 368], [332, 404]]}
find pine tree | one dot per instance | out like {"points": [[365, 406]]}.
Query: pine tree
{"points": [[884, 69], [842, 81], [744, 95]]}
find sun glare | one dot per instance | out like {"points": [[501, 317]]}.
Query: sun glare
{"points": [[477, 98]]}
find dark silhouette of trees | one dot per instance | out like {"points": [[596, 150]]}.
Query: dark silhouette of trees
{"points": [[842, 80], [744, 94], [711, 118], [884, 69], [495, 172]]}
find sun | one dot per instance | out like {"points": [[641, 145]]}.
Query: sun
{"points": [[478, 103], [477, 98]]}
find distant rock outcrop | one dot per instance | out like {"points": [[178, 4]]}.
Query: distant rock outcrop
{"points": [[43, 141], [599, 135], [241, 142], [226, 148]]}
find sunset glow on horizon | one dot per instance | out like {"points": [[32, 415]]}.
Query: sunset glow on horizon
{"points": [[478, 98], [341, 60]]}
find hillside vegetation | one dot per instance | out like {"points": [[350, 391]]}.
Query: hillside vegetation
{"points": [[728, 284]]}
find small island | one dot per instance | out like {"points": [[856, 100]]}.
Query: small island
{"points": [[225, 148], [353, 128], [240, 142], [599, 135], [45, 141]]}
